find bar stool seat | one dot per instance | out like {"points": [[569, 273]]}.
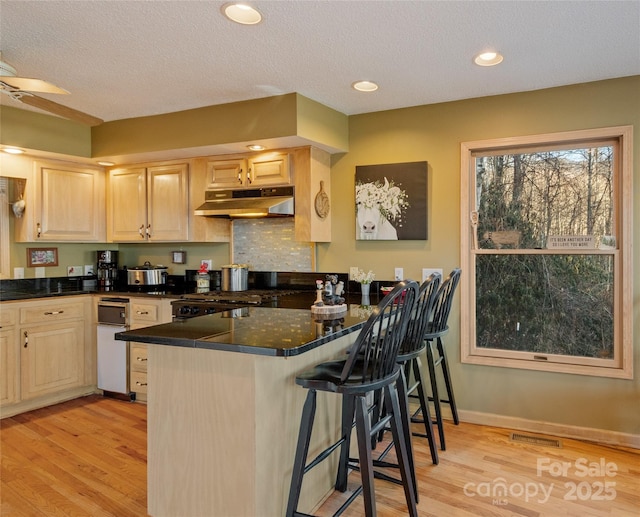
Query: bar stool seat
{"points": [[370, 366]]}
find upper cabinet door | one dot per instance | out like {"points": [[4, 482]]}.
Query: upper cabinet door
{"points": [[269, 169], [127, 205], [264, 169], [66, 203], [148, 204], [168, 203], [226, 174]]}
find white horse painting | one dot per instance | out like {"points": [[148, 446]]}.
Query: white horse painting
{"points": [[377, 207]]}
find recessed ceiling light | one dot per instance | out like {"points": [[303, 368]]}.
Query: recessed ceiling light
{"points": [[13, 150], [242, 13], [365, 86], [256, 147], [106, 164], [488, 59]]}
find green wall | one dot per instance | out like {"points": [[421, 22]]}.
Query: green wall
{"points": [[434, 133], [31, 130]]}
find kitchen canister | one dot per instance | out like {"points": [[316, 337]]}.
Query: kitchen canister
{"points": [[203, 280], [235, 277]]}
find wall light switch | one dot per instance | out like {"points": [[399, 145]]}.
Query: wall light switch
{"points": [[427, 271]]}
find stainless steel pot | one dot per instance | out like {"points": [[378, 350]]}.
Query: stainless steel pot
{"points": [[147, 275], [235, 277]]}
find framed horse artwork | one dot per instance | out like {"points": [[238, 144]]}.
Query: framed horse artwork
{"points": [[391, 201]]}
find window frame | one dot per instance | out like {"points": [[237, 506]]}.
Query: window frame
{"points": [[622, 364]]}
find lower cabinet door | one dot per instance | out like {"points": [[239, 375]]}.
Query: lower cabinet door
{"points": [[51, 358]]}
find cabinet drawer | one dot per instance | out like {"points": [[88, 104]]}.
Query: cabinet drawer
{"points": [[52, 312], [7, 317], [138, 358], [138, 382], [144, 313]]}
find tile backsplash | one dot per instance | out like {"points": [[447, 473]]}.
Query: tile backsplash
{"points": [[269, 245]]}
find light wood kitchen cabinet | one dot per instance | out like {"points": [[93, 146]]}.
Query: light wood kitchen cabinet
{"points": [[138, 369], [64, 202], [54, 353], [250, 171], [144, 313], [148, 203], [9, 353]]}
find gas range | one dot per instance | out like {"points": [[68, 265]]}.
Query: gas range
{"points": [[199, 304]]}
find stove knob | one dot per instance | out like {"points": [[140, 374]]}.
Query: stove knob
{"points": [[185, 309], [195, 310], [209, 310]]}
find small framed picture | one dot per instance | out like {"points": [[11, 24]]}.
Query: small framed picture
{"points": [[179, 257], [38, 257]]}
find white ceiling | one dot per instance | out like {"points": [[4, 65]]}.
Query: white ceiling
{"points": [[122, 59]]}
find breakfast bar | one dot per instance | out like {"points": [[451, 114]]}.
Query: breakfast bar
{"points": [[224, 409]]}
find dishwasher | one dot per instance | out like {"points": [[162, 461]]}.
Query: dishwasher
{"points": [[113, 355]]}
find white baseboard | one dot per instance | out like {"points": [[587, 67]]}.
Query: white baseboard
{"points": [[566, 431]]}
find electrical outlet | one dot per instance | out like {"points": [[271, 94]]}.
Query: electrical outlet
{"points": [[398, 274], [18, 273], [88, 269], [427, 271], [353, 271], [40, 272]]}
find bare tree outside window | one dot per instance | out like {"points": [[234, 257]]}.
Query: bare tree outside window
{"points": [[553, 304], [548, 252]]}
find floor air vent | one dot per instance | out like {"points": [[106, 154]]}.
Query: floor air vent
{"points": [[536, 440]]}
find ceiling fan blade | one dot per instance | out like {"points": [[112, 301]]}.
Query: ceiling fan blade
{"points": [[59, 109], [32, 85]]}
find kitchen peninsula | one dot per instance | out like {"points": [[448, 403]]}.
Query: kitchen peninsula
{"points": [[224, 409]]}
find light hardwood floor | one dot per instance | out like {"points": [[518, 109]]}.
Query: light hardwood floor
{"points": [[87, 457]]}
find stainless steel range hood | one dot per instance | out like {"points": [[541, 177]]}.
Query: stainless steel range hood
{"points": [[261, 202]]}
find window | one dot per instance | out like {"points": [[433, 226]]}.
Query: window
{"points": [[546, 244]]}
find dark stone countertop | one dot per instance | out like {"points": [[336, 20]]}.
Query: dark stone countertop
{"points": [[261, 330]]}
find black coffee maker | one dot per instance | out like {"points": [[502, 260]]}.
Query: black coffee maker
{"points": [[107, 270]]}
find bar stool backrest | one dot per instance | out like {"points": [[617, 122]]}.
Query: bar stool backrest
{"points": [[442, 304], [421, 315], [373, 356]]}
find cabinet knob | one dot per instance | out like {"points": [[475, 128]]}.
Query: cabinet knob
{"points": [[141, 230], [38, 230], [52, 313], [149, 230], [141, 359], [141, 383], [240, 176], [26, 338]]}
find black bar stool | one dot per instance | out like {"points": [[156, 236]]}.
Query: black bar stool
{"points": [[412, 348], [370, 366], [436, 329]]}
